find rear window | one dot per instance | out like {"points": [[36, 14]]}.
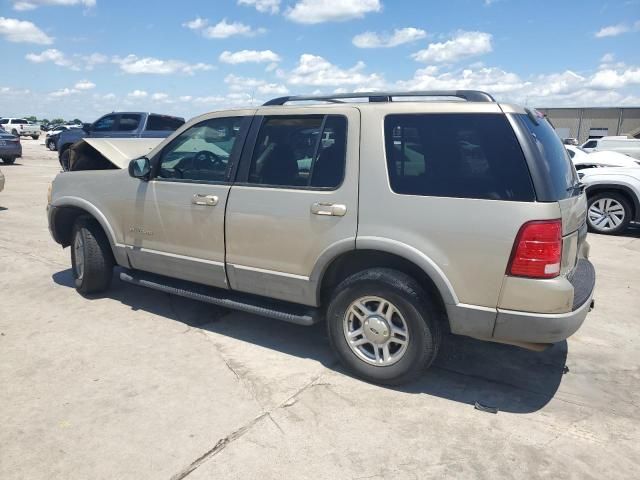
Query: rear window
{"points": [[562, 175], [163, 123], [19, 120], [456, 155]]}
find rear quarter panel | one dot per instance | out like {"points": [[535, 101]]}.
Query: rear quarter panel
{"points": [[469, 240]]}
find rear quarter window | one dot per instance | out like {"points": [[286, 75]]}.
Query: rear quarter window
{"points": [[456, 155], [163, 123], [558, 169]]}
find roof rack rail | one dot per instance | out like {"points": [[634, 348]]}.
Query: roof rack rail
{"points": [[468, 95]]}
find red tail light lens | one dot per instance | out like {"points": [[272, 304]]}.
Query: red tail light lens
{"points": [[537, 251]]}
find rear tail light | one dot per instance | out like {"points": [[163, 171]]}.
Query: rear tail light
{"points": [[537, 251]]}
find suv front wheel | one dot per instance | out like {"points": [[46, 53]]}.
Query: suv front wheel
{"points": [[383, 326], [91, 257]]}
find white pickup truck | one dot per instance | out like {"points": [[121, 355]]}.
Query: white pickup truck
{"points": [[21, 127]]}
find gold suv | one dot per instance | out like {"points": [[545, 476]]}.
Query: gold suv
{"points": [[393, 220]]}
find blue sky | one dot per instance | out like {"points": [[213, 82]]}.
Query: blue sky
{"points": [[83, 58]]}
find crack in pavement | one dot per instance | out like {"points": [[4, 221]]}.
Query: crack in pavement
{"points": [[236, 434]]}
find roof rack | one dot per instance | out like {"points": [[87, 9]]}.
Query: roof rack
{"points": [[468, 95]]}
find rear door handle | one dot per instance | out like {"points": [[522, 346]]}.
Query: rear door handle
{"points": [[206, 200], [329, 209]]}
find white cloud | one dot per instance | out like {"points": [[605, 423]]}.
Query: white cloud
{"points": [[493, 80], [386, 40], [608, 58], [32, 4], [84, 85], [317, 71], [185, 98], [65, 92], [610, 79], [222, 29], [612, 31], [94, 59], [249, 56], [13, 91], [319, 11], [160, 97], [137, 94], [134, 65], [264, 6], [74, 62], [251, 85], [21, 31], [462, 45], [196, 24], [50, 55]]}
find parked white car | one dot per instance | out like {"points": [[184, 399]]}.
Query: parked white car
{"points": [[582, 159], [613, 198], [620, 144]]}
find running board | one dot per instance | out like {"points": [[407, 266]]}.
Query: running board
{"points": [[279, 310]]}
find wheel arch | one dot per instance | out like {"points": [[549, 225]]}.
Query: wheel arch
{"points": [[384, 254], [64, 213], [624, 190]]}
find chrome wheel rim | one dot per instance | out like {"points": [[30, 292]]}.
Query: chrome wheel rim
{"points": [[78, 255], [606, 214], [376, 331]]}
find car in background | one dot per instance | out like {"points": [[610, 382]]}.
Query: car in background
{"points": [[21, 127], [613, 198], [119, 125], [620, 143], [582, 159], [51, 138], [10, 147]]}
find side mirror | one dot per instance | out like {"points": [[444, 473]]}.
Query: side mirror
{"points": [[86, 127], [140, 168]]}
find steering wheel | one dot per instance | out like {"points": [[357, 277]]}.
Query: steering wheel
{"points": [[206, 160]]}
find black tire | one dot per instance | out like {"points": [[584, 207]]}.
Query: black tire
{"points": [[596, 223], [414, 305], [97, 266], [35, 137], [14, 132], [9, 161], [51, 145]]}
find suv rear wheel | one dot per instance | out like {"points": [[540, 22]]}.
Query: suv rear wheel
{"points": [[91, 257], [383, 326], [608, 213]]}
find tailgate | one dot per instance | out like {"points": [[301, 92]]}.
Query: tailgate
{"points": [[574, 230]]}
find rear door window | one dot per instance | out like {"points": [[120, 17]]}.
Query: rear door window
{"points": [[163, 123], [129, 122], [456, 155], [305, 151]]}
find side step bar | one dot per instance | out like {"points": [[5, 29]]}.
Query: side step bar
{"points": [[287, 312]]}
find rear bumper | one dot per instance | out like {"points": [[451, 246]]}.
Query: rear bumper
{"points": [[517, 326]]}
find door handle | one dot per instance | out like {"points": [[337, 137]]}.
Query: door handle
{"points": [[329, 209], [206, 200]]}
